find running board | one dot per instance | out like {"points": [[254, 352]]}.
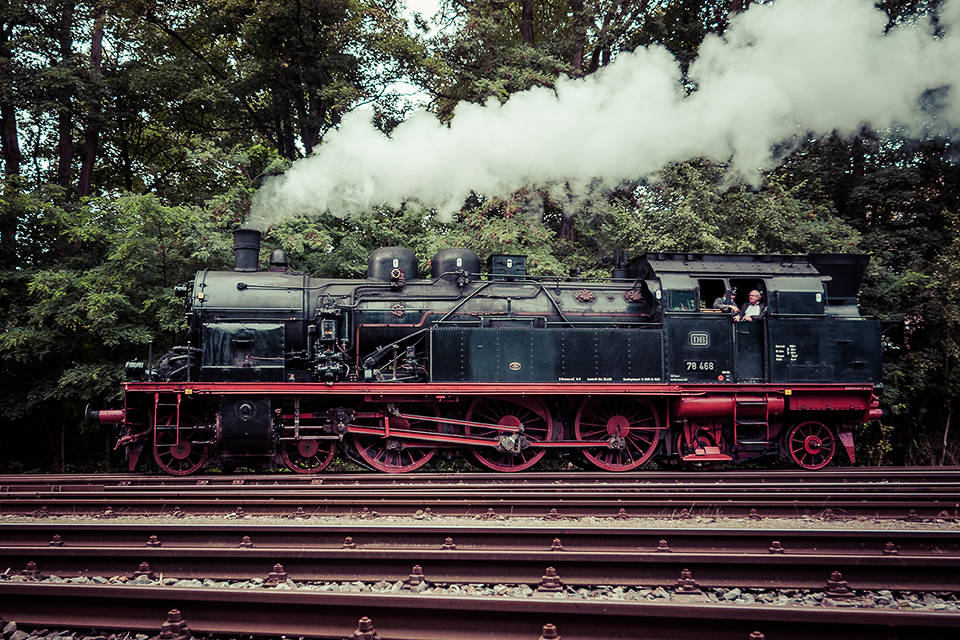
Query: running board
{"points": [[707, 454]]}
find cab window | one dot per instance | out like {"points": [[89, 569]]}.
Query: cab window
{"points": [[710, 290], [682, 301]]}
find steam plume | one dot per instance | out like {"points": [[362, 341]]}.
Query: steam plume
{"points": [[779, 72]]}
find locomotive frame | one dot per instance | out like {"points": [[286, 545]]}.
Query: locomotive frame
{"points": [[286, 369]]}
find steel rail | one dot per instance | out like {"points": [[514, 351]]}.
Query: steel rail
{"points": [[531, 502], [625, 536], [888, 476], [299, 613], [855, 491], [928, 572]]}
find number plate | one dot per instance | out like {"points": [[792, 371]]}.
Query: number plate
{"points": [[700, 365]]}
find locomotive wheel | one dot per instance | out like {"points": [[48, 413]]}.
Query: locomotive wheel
{"points": [[811, 444], [176, 450], [398, 455], [629, 429], [529, 412], [702, 440], [308, 456]]}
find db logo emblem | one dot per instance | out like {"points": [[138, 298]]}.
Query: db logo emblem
{"points": [[514, 366], [699, 339]]}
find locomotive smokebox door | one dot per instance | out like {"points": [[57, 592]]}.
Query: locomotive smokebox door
{"points": [[245, 425]]}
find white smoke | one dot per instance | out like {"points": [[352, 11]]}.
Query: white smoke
{"points": [[780, 71]]}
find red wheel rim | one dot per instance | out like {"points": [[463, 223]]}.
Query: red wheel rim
{"points": [[308, 456], [632, 425], [811, 445], [510, 412], [177, 451], [399, 455]]}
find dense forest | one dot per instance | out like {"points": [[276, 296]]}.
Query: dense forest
{"points": [[136, 136]]}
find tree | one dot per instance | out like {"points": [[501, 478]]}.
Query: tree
{"points": [[68, 327], [93, 123], [500, 47], [288, 69]]}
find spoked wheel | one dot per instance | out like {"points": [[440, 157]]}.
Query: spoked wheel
{"points": [[811, 444], [308, 456], [628, 427], [182, 451], [399, 455], [510, 412], [702, 439]]}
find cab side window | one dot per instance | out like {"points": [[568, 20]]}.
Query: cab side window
{"points": [[682, 300], [711, 290], [743, 287]]}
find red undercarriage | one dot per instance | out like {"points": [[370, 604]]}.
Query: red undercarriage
{"points": [[617, 427]]}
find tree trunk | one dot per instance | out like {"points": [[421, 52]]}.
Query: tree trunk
{"points": [[10, 147], [946, 436], [580, 33], [526, 22], [65, 118], [85, 186], [65, 145], [567, 228], [858, 155], [63, 442], [289, 141], [11, 144], [9, 139]]}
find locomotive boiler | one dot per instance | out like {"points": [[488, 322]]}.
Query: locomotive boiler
{"points": [[482, 360]]}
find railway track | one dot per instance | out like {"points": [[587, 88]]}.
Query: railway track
{"points": [[927, 476], [868, 559], [275, 613], [422, 617], [893, 495], [552, 538], [628, 536]]}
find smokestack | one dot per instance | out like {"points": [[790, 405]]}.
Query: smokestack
{"points": [[246, 249]]}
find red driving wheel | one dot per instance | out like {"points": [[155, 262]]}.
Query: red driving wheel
{"points": [[811, 444]]}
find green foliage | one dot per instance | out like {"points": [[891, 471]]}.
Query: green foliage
{"points": [[486, 57], [691, 207], [925, 379], [513, 226], [679, 27], [68, 327]]}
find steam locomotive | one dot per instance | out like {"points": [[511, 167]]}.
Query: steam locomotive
{"points": [[392, 370]]}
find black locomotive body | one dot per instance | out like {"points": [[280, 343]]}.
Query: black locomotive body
{"points": [[282, 368]]}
